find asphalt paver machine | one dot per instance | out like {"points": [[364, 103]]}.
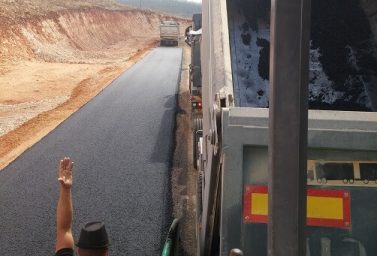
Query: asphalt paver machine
{"points": [[275, 178]]}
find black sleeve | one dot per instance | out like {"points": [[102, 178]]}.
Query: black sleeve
{"points": [[64, 252]]}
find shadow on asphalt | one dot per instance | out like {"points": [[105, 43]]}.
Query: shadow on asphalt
{"points": [[162, 147]]}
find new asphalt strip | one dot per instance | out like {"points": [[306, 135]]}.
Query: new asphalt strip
{"points": [[122, 144]]}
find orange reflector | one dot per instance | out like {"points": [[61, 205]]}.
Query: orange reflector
{"points": [[325, 207], [196, 98]]}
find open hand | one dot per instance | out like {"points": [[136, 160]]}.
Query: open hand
{"points": [[65, 172]]}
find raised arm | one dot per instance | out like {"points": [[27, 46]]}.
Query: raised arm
{"points": [[64, 237]]}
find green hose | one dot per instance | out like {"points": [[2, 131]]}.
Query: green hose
{"points": [[172, 235], [167, 248]]}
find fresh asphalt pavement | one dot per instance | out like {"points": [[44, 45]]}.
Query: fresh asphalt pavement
{"points": [[121, 143]]}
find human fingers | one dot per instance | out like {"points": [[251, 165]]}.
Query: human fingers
{"points": [[70, 165], [63, 163], [67, 160], [69, 173], [67, 163]]}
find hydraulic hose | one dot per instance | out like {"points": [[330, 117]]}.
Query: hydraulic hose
{"points": [[171, 239]]}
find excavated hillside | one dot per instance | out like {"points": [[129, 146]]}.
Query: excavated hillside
{"points": [[57, 55]]}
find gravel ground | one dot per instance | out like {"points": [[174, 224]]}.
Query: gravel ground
{"points": [[29, 110]]}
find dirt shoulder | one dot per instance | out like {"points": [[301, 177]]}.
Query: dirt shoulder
{"points": [[184, 175]]}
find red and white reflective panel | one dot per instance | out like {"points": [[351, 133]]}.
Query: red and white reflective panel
{"points": [[325, 207]]}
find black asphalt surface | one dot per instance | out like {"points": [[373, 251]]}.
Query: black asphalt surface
{"points": [[121, 143]]}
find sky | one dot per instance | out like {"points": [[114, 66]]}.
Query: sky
{"points": [[195, 1]]}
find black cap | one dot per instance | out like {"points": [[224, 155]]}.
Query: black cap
{"points": [[93, 236]]}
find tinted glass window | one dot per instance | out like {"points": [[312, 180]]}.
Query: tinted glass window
{"points": [[335, 171], [368, 171]]}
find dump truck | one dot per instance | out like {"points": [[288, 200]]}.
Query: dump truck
{"points": [[169, 33], [244, 48]]}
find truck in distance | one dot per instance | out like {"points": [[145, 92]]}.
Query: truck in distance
{"points": [[169, 33]]}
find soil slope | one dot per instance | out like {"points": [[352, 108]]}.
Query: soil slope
{"points": [[57, 55]]}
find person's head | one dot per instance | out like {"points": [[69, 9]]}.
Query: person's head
{"points": [[93, 240]]}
